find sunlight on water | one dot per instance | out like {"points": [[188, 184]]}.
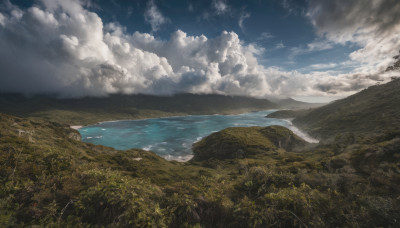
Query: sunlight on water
{"points": [[172, 137]]}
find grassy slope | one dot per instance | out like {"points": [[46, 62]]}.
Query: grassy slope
{"points": [[49, 178], [375, 109]]}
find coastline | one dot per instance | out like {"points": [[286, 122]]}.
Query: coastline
{"points": [[186, 158]]}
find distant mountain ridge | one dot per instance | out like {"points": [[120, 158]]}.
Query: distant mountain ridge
{"points": [[90, 110]]}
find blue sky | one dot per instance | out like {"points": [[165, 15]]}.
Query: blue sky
{"points": [[279, 27], [288, 48]]}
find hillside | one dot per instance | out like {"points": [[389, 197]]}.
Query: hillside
{"points": [[49, 178], [289, 103], [375, 109]]}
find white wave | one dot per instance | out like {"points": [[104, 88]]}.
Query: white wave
{"points": [[300, 133], [94, 137], [148, 148], [183, 158]]}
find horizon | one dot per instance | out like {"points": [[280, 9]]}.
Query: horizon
{"points": [[306, 50]]}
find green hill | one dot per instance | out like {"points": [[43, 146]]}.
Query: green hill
{"points": [[241, 142], [375, 109]]}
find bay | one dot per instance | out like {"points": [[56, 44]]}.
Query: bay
{"points": [[172, 137]]}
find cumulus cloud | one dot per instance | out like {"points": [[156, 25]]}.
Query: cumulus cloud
{"points": [[372, 25], [154, 17], [61, 47]]}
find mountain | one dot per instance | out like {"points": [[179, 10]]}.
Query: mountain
{"points": [[375, 109]]}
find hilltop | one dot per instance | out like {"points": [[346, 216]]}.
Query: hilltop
{"points": [[241, 142]]}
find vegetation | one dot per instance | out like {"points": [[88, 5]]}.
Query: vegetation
{"points": [[376, 109], [240, 142], [50, 178], [288, 114]]}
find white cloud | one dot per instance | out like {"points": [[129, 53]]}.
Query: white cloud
{"points": [[2, 19], [322, 66], [243, 17], [280, 45], [73, 54], [315, 46], [154, 17], [372, 25], [220, 7]]}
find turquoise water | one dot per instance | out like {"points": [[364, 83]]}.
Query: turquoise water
{"points": [[171, 137]]}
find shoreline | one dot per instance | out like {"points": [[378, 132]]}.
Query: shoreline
{"points": [[76, 127], [186, 158]]}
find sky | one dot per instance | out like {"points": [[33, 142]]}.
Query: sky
{"points": [[276, 48]]}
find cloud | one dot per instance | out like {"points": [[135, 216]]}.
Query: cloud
{"points": [[321, 66], [315, 46], [243, 17], [372, 25], [265, 36], [280, 45], [293, 7], [61, 47], [154, 17], [220, 6]]}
